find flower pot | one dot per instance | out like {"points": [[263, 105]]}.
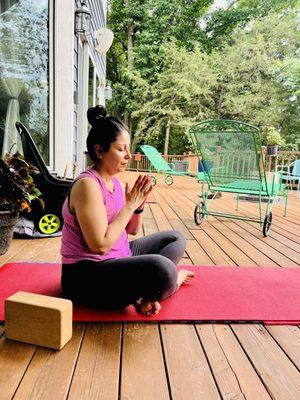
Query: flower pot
{"points": [[272, 150], [7, 223]]}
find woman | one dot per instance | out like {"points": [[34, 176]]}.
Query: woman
{"points": [[100, 268]]}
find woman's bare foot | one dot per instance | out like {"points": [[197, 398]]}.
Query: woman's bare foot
{"points": [[147, 307], [153, 307], [184, 276]]}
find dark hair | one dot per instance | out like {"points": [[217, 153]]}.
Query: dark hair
{"points": [[104, 130]]}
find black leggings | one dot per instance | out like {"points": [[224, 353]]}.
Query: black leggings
{"points": [[150, 273]]}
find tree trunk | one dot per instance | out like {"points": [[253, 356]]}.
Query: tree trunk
{"points": [[126, 119], [130, 47], [167, 137], [134, 142], [220, 103]]}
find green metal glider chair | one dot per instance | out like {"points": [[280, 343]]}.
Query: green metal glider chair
{"points": [[159, 164], [233, 162]]}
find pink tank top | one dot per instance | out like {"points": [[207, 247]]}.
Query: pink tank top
{"points": [[73, 244]]}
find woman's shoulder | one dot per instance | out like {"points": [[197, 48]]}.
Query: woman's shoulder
{"points": [[85, 185], [87, 173], [83, 189], [87, 180]]}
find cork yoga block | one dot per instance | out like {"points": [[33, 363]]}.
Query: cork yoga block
{"points": [[37, 319]]}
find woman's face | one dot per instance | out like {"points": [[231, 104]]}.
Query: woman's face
{"points": [[117, 157]]}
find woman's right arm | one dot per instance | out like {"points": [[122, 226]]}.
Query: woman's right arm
{"points": [[87, 201]]}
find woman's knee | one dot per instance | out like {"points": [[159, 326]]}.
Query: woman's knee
{"points": [[165, 270], [180, 239]]}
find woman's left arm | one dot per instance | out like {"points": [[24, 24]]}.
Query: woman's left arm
{"points": [[136, 220]]}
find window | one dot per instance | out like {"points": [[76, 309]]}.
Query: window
{"points": [[24, 72]]}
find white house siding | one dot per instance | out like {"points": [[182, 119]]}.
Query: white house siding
{"points": [[75, 114], [98, 10]]}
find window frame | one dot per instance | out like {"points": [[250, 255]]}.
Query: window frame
{"points": [[51, 77]]}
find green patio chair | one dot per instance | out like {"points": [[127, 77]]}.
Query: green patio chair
{"points": [[232, 160], [159, 164]]}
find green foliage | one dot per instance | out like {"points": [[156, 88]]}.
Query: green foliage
{"points": [[248, 88], [179, 141], [252, 67], [182, 94], [221, 24], [273, 137], [190, 64], [291, 146]]}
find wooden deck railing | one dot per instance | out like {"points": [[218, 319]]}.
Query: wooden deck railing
{"points": [[283, 158], [140, 162]]}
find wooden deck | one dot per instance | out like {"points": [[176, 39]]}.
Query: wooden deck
{"points": [[170, 361]]}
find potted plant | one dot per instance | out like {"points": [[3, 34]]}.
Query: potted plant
{"points": [[17, 191], [273, 140]]}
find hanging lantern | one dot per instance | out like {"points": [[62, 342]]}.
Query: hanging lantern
{"points": [[103, 39], [108, 92], [82, 20]]}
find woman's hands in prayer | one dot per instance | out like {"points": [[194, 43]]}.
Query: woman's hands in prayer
{"points": [[137, 196]]}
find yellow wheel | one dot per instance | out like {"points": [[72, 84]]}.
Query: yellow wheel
{"points": [[49, 223]]}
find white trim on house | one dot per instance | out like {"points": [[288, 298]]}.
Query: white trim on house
{"points": [[94, 87], [63, 83], [101, 92], [97, 96], [83, 83], [51, 83]]}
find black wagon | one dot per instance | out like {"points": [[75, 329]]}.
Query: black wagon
{"points": [[54, 190]]}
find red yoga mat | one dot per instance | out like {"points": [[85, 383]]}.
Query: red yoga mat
{"points": [[271, 295]]}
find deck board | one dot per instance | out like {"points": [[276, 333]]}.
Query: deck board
{"points": [[98, 363], [14, 360], [170, 361], [219, 344], [280, 376], [188, 369], [51, 369], [225, 352], [288, 338], [218, 256], [15, 248], [143, 369]]}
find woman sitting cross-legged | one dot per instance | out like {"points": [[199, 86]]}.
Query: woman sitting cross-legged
{"points": [[100, 268]]}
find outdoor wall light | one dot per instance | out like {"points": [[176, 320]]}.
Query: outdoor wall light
{"points": [[82, 20], [103, 39], [108, 92]]}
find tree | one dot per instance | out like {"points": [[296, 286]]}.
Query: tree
{"points": [[220, 24], [182, 94], [288, 74], [252, 69], [247, 55], [140, 28]]}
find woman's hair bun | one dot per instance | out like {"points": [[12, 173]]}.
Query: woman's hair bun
{"points": [[95, 113]]}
